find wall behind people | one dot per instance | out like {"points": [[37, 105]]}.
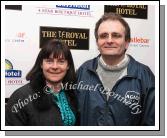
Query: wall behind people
{"points": [[23, 36]]}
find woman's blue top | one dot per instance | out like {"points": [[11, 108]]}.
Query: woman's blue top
{"points": [[67, 114]]}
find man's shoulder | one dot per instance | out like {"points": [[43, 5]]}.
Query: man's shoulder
{"points": [[138, 64], [143, 67], [89, 63], [140, 69]]}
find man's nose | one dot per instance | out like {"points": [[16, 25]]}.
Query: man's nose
{"points": [[110, 39]]}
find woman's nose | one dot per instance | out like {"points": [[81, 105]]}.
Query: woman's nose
{"points": [[55, 65]]}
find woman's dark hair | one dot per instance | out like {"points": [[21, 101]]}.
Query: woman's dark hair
{"points": [[113, 17], [57, 49]]}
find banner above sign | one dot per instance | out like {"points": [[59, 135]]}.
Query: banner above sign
{"points": [[129, 11], [74, 38], [13, 7]]}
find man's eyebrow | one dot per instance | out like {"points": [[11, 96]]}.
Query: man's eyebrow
{"points": [[116, 33], [109, 33]]}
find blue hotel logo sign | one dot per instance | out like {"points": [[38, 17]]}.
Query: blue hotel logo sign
{"points": [[84, 7], [10, 72]]}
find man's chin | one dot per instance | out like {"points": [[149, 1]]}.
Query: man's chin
{"points": [[109, 54]]}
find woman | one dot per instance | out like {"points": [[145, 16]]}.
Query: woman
{"points": [[44, 101]]}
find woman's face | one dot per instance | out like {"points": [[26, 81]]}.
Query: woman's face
{"points": [[54, 69]]}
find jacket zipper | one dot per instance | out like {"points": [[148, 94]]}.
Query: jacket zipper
{"points": [[114, 87]]}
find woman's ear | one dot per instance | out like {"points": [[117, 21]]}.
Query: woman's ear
{"points": [[41, 66]]}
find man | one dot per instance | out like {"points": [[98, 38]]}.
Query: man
{"points": [[116, 89]]}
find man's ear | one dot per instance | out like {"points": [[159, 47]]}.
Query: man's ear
{"points": [[126, 45], [97, 45]]}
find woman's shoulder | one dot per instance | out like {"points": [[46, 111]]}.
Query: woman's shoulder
{"points": [[22, 92]]}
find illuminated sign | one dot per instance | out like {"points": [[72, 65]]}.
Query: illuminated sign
{"points": [[129, 11], [84, 7], [74, 38]]}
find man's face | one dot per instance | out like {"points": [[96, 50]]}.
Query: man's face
{"points": [[111, 38]]}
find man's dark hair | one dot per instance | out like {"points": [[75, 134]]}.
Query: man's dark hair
{"points": [[113, 17]]}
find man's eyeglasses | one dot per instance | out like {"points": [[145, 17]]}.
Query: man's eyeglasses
{"points": [[107, 35]]}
